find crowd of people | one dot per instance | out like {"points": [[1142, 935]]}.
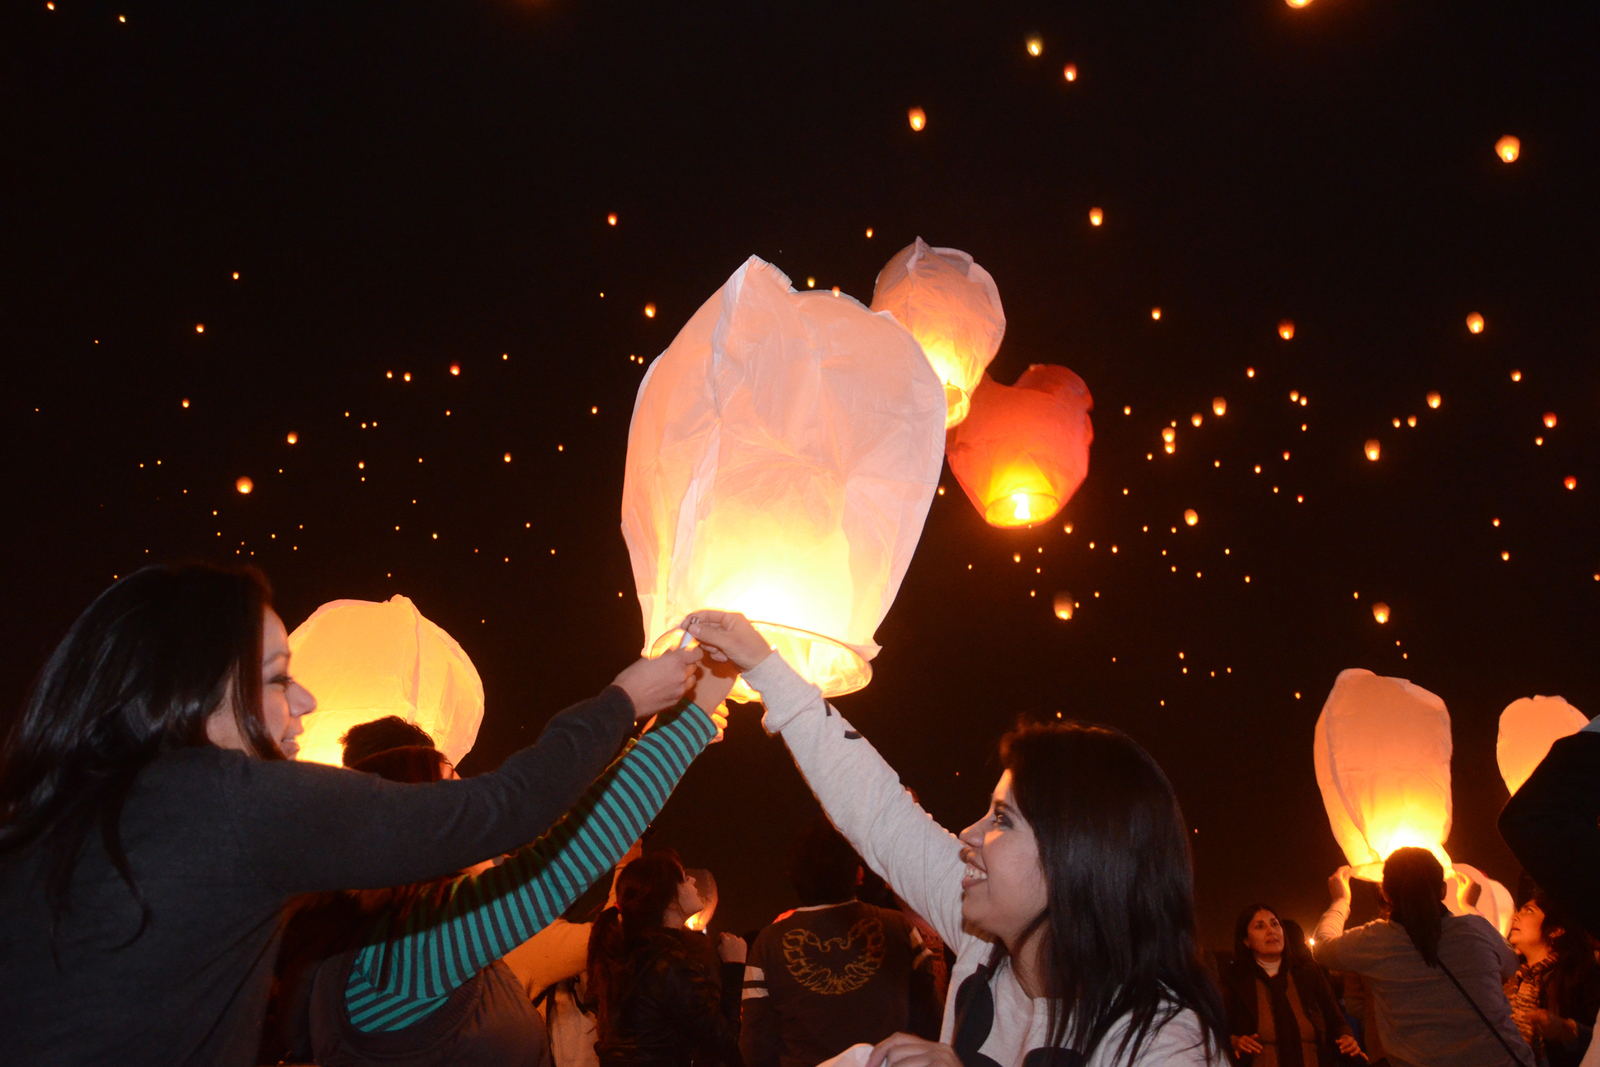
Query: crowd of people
{"points": [[176, 889]]}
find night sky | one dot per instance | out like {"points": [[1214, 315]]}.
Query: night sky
{"points": [[401, 187]]}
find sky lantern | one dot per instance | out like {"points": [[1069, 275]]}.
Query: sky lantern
{"points": [[1570, 482], [649, 311], [1064, 605], [1070, 72], [1549, 420], [1035, 46], [1382, 755], [1024, 449], [918, 118], [1374, 449], [1286, 329], [1380, 611], [783, 454], [244, 485], [1196, 419], [1191, 516], [1297, 3], [1434, 399], [293, 438], [952, 307], [1528, 727], [1096, 216], [364, 660], [1219, 406], [1475, 323], [1508, 148]]}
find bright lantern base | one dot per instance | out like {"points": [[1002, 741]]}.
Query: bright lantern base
{"points": [[834, 668], [1021, 509]]}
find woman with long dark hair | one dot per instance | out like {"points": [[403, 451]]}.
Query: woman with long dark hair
{"points": [[1556, 992], [1078, 880], [152, 830], [1281, 1009], [660, 1001], [1436, 978]]}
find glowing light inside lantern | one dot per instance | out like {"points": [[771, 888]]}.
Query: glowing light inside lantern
{"points": [[1570, 482], [1070, 72], [1475, 323], [917, 117], [1191, 516], [244, 485], [1298, 3], [1380, 611], [1373, 449], [1063, 605], [1516, 376], [455, 369], [1035, 46], [294, 438], [1096, 216], [611, 220], [1434, 400], [1550, 420], [1219, 406], [1196, 419], [649, 311], [1508, 148], [1286, 329], [1155, 313]]}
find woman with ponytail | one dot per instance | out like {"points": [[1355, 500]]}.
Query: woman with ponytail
{"points": [[1437, 979], [660, 1001]]}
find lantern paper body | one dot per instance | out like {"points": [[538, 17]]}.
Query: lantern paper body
{"points": [[1024, 448], [364, 660], [951, 306], [1494, 900], [1382, 753], [783, 454], [1528, 727]]}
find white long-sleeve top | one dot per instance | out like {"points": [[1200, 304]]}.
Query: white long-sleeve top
{"points": [[922, 861]]}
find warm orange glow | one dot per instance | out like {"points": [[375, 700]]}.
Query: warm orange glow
{"points": [[1380, 611], [1570, 482], [1024, 449], [1528, 727], [1219, 406], [1196, 418], [1508, 148], [869, 231], [294, 438], [1434, 400], [1035, 46], [611, 220], [1286, 329], [1070, 72], [1373, 449], [235, 275], [244, 485], [1191, 516], [508, 457], [1168, 434], [455, 368], [1064, 605], [1475, 322], [185, 401], [649, 311], [1096, 216], [1249, 372], [1297, 3], [918, 118], [1516, 376], [199, 327], [1550, 420], [1155, 313]]}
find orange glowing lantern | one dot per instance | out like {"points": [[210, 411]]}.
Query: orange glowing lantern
{"points": [[1191, 516], [952, 307], [1064, 605], [1024, 449], [1380, 611], [1297, 3], [364, 660], [244, 485], [918, 118], [1035, 46], [455, 369], [1196, 419], [649, 311], [1570, 482], [1528, 727], [1070, 72], [1549, 420], [1219, 406], [782, 457], [611, 220], [1508, 148], [1434, 399], [1475, 323], [1374, 449], [1286, 329], [1155, 313], [1382, 754], [1096, 216]]}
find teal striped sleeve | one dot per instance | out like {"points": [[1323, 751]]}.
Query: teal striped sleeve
{"points": [[404, 975]]}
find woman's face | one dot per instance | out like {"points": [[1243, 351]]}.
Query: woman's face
{"points": [[1004, 889], [1527, 927], [284, 701], [689, 900], [1264, 936]]}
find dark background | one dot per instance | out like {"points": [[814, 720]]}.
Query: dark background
{"points": [[402, 186]]}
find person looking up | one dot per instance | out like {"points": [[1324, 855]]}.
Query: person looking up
{"points": [[1556, 991], [1281, 1009], [1436, 978], [152, 828], [1069, 904], [370, 738]]}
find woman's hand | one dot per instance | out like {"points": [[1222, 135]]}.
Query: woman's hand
{"points": [[654, 685], [1339, 884], [1348, 1045], [906, 1050], [732, 949], [727, 635], [1246, 1044], [712, 686]]}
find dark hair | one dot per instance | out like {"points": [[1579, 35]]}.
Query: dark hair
{"points": [[1574, 952], [1243, 955], [1118, 929], [822, 865], [137, 675], [369, 738], [645, 888], [408, 763], [1413, 883]]}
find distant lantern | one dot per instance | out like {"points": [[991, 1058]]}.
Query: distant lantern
{"points": [[1380, 611], [199, 327], [1528, 727], [1516, 376], [1549, 420], [952, 307], [294, 438], [1286, 329], [1035, 46], [1475, 323], [1373, 449], [508, 457], [1196, 418], [1191, 516], [1155, 313], [1434, 399], [918, 118], [244, 485], [185, 401], [783, 454], [1508, 148], [1219, 406], [1570, 482], [1064, 605], [1297, 3], [649, 311], [455, 369], [1168, 434], [1382, 754], [1070, 72], [1096, 216], [1024, 449], [611, 220], [364, 660]]}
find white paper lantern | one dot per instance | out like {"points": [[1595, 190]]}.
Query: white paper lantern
{"points": [[783, 454], [1494, 900], [1382, 753], [364, 660], [1528, 727]]}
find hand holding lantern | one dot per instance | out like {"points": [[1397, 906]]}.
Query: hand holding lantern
{"points": [[728, 636], [654, 685]]}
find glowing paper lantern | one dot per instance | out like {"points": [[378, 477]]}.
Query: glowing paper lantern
{"points": [[1286, 329], [364, 660], [244, 485], [1528, 727], [1191, 516], [1380, 611], [1494, 900], [1070, 72], [917, 117], [1064, 605], [1475, 323], [1219, 406], [952, 307], [1434, 400], [1508, 148], [294, 438], [1549, 420], [1024, 448], [783, 454], [1382, 754], [1035, 46], [1096, 216], [1570, 482], [1374, 449]]}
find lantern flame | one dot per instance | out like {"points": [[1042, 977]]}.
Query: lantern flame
{"points": [[1286, 329], [1508, 148], [244, 485], [1475, 323], [1374, 448], [1434, 400], [1096, 216], [918, 118], [1021, 513], [649, 311], [1063, 605], [1380, 611], [1550, 420], [1570, 482], [1219, 406], [1070, 72], [1191, 516], [294, 438], [1035, 46]]}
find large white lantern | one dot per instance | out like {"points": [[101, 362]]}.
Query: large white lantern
{"points": [[1382, 753], [952, 307], [1528, 727], [364, 660], [783, 454]]}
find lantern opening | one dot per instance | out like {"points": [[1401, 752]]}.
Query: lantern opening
{"points": [[1022, 508], [833, 667]]}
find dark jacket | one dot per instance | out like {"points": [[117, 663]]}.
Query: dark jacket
{"points": [[672, 1006], [1240, 989]]}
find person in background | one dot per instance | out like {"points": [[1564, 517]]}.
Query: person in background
{"points": [[153, 830], [1281, 1010], [1556, 992], [1436, 978], [1070, 904], [834, 972], [369, 738], [660, 999]]}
